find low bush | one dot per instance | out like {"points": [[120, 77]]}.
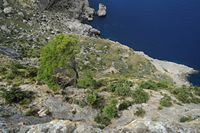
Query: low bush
{"points": [[149, 85], [15, 69], [196, 90], [124, 105], [87, 81], [140, 96], [121, 88], [185, 95], [31, 112], [140, 112], [166, 101], [103, 120], [153, 85], [110, 109], [16, 95], [91, 98], [185, 119]]}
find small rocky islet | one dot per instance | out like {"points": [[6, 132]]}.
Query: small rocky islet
{"points": [[58, 75]]}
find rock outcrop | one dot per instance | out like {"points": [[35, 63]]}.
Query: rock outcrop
{"points": [[24, 31], [76, 8], [177, 72], [102, 10]]}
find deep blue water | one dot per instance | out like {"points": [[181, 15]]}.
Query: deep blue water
{"points": [[164, 29]]}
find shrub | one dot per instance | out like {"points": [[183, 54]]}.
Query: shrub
{"points": [[196, 91], [164, 84], [160, 108], [140, 112], [99, 103], [140, 96], [103, 120], [124, 105], [110, 110], [3, 69], [58, 56], [30, 112], [153, 85], [182, 94], [166, 101], [195, 100], [149, 85], [87, 81], [16, 95], [185, 119], [91, 98], [121, 88], [16, 73]]}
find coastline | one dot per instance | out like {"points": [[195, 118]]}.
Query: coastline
{"points": [[177, 72]]}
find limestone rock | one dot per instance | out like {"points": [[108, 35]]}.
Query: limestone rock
{"points": [[5, 3], [8, 10], [102, 10]]}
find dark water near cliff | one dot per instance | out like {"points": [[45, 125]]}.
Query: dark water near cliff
{"points": [[164, 29]]}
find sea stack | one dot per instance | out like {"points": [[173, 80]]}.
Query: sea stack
{"points": [[102, 10]]}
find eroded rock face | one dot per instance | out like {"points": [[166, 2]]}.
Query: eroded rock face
{"points": [[76, 8], [60, 126], [45, 4], [102, 10], [138, 126]]}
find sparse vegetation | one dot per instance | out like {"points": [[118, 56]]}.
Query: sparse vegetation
{"points": [[140, 96], [155, 85], [166, 101], [121, 88], [140, 112], [149, 85], [91, 98], [110, 109], [108, 112], [15, 73], [103, 120], [87, 81], [124, 105], [185, 95], [16, 95], [31, 112], [185, 119]]}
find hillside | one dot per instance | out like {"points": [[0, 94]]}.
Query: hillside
{"points": [[58, 75]]}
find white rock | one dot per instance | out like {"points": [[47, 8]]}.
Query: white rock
{"points": [[21, 14], [8, 10], [5, 28], [102, 10], [5, 3]]}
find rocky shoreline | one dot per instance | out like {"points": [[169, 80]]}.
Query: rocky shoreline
{"points": [[177, 72]]}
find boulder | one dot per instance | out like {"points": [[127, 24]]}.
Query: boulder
{"points": [[45, 4], [102, 10], [7, 10]]}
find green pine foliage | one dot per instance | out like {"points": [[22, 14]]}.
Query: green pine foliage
{"points": [[57, 55]]}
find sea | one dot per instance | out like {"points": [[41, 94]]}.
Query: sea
{"points": [[163, 29]]}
